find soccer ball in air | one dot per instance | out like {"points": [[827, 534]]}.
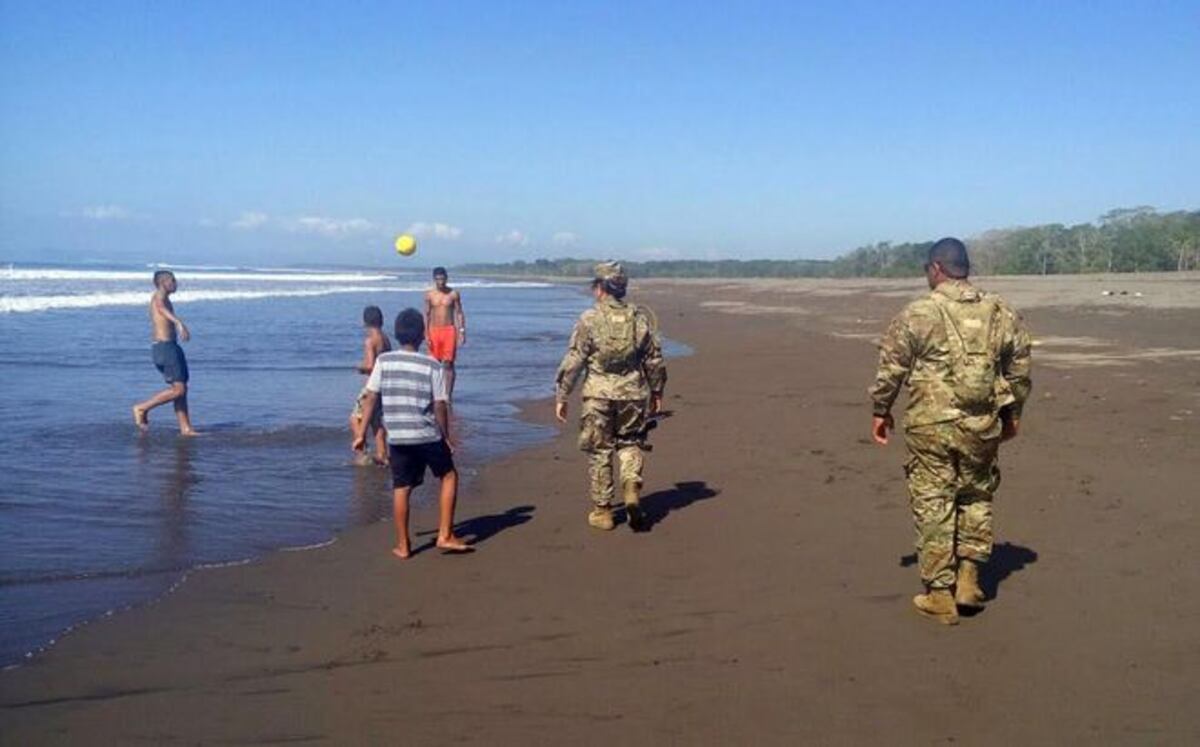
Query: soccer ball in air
{"points": [[406, 245]]}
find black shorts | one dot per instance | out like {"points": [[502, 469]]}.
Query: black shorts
{"points": [[410, 460], [170, 361]]}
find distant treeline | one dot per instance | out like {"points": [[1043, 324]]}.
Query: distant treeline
{"points": [[1124, 240]]}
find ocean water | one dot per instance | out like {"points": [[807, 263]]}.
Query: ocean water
{"points": [[95, 517]]}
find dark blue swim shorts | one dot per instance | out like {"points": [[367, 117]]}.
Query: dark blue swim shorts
{"points": [[170, 361]]}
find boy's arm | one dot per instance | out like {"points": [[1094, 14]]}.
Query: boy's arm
{"points": [[462, 318], [370, 352], [428, 318], [163, 309], [369, 403]]}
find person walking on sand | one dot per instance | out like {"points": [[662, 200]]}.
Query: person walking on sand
{"points": [[445, 324], [167, 331], [411, 390], [375, 343], [966, 357], [615, 347]]}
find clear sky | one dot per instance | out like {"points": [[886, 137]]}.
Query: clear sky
{"points": [[289, 132]]}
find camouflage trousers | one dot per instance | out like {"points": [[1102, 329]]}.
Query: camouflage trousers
{"points": [[952, 475], [609, 427]]}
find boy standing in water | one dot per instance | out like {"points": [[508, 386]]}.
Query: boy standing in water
{"points": [[446, 324], [375, 343], [411, 390], [167, 330]]}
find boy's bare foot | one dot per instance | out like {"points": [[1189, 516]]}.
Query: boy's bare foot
{"points": [[402, 552], [453, 544], [189, 433], [140, 419]]}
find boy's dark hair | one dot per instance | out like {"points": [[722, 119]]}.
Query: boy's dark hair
{"points": [[160, 276], [410, 327], [440, 271], [373, 317], [951, 254]]}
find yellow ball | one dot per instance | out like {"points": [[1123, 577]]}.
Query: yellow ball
{"points": [[406, 245]]}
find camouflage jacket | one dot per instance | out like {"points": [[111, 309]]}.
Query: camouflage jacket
{"points": [[647, 375], [917, 348]]}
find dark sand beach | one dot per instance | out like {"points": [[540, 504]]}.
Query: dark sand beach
{"points": [[769, 602]]}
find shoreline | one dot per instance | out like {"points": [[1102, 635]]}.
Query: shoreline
{"points": [[423, 498], [768, 602]]}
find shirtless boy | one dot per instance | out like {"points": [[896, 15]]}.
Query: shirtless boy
{"points": [[445, 324], [375, 342], [167, 330]]}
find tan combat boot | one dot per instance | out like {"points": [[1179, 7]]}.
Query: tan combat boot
{"points": [[938, 604], [601, 518], [633, 506], [966, 591]]}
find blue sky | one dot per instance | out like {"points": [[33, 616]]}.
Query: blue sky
{"points": [[287, 132]]}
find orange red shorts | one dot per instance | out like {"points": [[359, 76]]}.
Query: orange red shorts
{"points": [[443, 343]]}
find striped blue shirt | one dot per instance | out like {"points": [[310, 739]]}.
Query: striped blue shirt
{"points": [[408, 384]]}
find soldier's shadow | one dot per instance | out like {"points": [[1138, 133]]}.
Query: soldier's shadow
{"points": [[1007, 559], [657, 505]]}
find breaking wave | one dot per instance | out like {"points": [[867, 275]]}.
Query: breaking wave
{"points": [[26, 304], [129, 275], [30, 304]]}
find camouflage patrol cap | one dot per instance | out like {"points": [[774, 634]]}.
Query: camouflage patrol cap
{"points": [[612, 272]]}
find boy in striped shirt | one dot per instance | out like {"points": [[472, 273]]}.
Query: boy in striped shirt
{"points": [[411, 389]]}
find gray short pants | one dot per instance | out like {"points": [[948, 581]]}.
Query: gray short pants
{"points": [[376, 417]]}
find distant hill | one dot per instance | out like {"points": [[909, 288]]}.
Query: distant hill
{"points": [[1124, 240]]}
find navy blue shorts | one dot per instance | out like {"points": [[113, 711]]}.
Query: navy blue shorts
{"points": [[170, 361], [410, 460]]}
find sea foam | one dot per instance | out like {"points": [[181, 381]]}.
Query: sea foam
{"points": [[13, 273], [27, 304], [36, 303]]}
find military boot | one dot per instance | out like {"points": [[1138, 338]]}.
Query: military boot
{"points": [[937, 604], [966, 591], [633, 506], [601, 518]]}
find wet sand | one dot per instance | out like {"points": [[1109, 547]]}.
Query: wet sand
{"points": [[768, 603]]}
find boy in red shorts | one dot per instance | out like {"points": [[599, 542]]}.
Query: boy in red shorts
{"points": [[445, 324]]}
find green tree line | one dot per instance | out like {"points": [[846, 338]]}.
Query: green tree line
{"points": [[1136, 239]]}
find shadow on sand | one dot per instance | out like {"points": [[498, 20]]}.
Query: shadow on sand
{"points": [[480, 529], [1007, 559], [660, 503]]}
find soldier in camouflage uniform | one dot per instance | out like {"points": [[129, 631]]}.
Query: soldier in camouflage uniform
{"points": [[966, 356], [615, 347]]}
